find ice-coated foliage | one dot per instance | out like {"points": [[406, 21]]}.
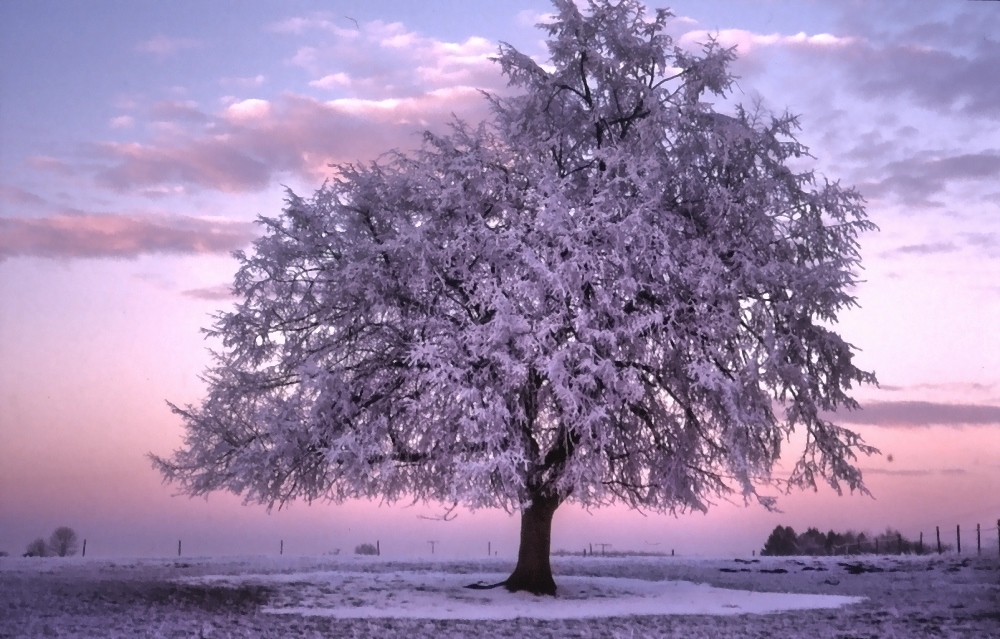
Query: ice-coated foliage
{"points": [[609, 291]]}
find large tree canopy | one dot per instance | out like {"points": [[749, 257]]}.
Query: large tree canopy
{"points": [[609, 291]]}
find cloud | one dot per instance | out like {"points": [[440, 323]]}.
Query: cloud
{"points": [[916, 179], [122, 122], [251, 82], [920, 414], [747, 41], [89, 235], [50, 165], [930, 248], [379, 60], [256, 140], [162, 46], [937, 79], [913, 472], [174, 111], [207, 162], [219, 293], [247, 110], [17, 195], [941, 56], [388, 84], [318, 21]]}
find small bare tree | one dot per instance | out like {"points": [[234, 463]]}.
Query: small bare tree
{"points": [[63, 542]]}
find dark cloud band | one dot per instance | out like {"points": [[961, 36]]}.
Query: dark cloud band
{"points": [[915, 414]]}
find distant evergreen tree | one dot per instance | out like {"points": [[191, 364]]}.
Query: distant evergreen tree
{"points": [[812, 542], [782, 541]]}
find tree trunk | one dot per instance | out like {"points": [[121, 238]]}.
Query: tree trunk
{"points": [[533, 572]]}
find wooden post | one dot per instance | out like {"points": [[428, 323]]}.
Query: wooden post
{"points": [[937, 529], [592, 545], [672, 550], [979, 542], [281, 549], [84, 554], [958, 537], [998, 534], [432, 545], [178, 547], [489, 548], [378, 548], [920, 547]]}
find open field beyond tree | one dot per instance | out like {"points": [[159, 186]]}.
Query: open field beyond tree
{"points": [[938, 596]]}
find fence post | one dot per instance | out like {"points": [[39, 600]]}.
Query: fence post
{"points": [[937, 529], [178, 547], [378, 549], [998, 534], [281, 549], [489, 548], [920, 548], [899, 543], [979, 541], [958, 537], [84, 548]]}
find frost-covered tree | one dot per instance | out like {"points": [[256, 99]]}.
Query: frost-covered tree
{"points": [[608, 292], [63, 542], [37, 548]]}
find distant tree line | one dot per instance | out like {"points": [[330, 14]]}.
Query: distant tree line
{"points": [[63, 542], [783, 541]]}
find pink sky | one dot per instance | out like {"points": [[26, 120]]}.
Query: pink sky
{"points": [[135, 153]]}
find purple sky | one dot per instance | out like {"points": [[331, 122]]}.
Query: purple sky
{"points": [[139, 141]]}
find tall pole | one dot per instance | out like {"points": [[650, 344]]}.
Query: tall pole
{"points": [[84, 548], [937, 529], [958, 537], [979, 542], [178, 547]]}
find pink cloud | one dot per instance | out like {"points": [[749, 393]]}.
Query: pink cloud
{"points": [[397, 84], [17, 195], [256, 140], [50, 165], [209, 162], [90, 235]]}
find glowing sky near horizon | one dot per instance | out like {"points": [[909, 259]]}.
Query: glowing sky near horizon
{"points": [[139, 141]]}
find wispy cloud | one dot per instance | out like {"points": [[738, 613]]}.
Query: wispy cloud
{"points": [[89, 235], [250, 82], [174, 111], [122, 122], [163, 46], [921, 414], [219, 293], [916, 179], [17, 195], [922, 472], [929, 248]]}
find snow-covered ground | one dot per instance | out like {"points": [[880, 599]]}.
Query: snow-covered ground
{"points": [[598, 597]]}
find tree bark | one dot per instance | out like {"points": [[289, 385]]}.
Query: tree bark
{"points": [[533, 572]]}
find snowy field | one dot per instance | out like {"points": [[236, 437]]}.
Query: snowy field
{"points": [[630, 597]]}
